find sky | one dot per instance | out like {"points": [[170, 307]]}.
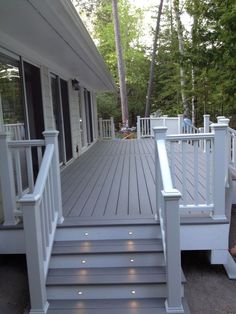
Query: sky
{"points": [[150, 14]]}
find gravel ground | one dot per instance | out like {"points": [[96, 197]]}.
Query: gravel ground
{"points": [[208, 289], [14, 292]]}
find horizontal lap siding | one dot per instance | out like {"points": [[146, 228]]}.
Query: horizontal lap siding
{"points": [[47, 99]]}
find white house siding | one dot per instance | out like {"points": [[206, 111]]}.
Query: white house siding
{"points": [[74, 118], [49, 121], [1, 206]]}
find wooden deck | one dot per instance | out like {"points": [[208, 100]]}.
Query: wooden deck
{"points": [[112, 180], [115, 180]]}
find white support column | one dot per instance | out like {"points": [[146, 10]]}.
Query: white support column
{"points": [[138, 128], [206, 123], [112, 128], [173, 302], [34, 253], [180, 123], [7, 183], [220, 173], [51, 137]]}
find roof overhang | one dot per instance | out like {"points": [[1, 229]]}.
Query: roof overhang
{"points": [[50, 32]]}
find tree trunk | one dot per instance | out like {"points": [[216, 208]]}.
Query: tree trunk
{"points": [[121, 68], [152, 66], [181, 52]]}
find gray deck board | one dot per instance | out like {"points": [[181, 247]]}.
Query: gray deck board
{"points": [[116, 306], [115, 180]]}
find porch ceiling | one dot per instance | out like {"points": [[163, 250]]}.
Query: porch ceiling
{"points": [[51, 33]]}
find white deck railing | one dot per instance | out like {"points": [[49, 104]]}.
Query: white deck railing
{"points": [[211, 159], [143, 127], [106, 128], [232, 146], [16, 130], [167, 198], [26, 157], [174, 125], [199, 168], [41, 212]]}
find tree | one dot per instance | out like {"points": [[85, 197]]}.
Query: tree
{"points": [[152, 66], [181, 52], [120, 62]]}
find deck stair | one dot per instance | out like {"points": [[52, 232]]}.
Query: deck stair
{"points": [[107, 269]]}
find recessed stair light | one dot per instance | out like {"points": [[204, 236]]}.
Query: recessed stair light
{"points": [[130, 232], [86, 234], [132, 260], [83, 261], [80, 292], [133, 291]]}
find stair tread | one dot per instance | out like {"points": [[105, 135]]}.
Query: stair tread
{"points": [[107, 246], [114, 306], [114, 275]]}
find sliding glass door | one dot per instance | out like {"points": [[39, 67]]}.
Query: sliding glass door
{"points": [[34, 100]]}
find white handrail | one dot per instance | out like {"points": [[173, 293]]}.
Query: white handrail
{"points": [[26, 143], [41, 211], [167, 199], [42, 176]]}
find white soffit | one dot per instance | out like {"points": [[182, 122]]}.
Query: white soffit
{"points": [[52, 30]]}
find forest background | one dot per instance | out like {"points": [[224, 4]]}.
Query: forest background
{"points": [[208, 61]]}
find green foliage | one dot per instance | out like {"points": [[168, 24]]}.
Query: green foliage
{"points": [[212, 54], [135, 59], [108, 106], [210, 50]]}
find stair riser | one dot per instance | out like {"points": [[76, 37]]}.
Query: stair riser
{"points": [[108, 233], [107, 292], [107, 260]]}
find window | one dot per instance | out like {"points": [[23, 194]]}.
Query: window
{"points": [[11, 100]]}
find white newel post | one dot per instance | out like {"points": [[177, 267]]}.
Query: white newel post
{"points": [[34, 253], [206, 123], [220, 118], [51, 137], [159, 134], [180, 123], [112, 128], [173, 256], [7, 182], [100, 128], [220, 165], [138, 127], [223, 120]]}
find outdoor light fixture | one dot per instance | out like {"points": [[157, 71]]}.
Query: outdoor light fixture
{"points": [[80, 292], [133, 291], [132, 260], [130, 232], [83, 261], [75, 84], [86, 234]]}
